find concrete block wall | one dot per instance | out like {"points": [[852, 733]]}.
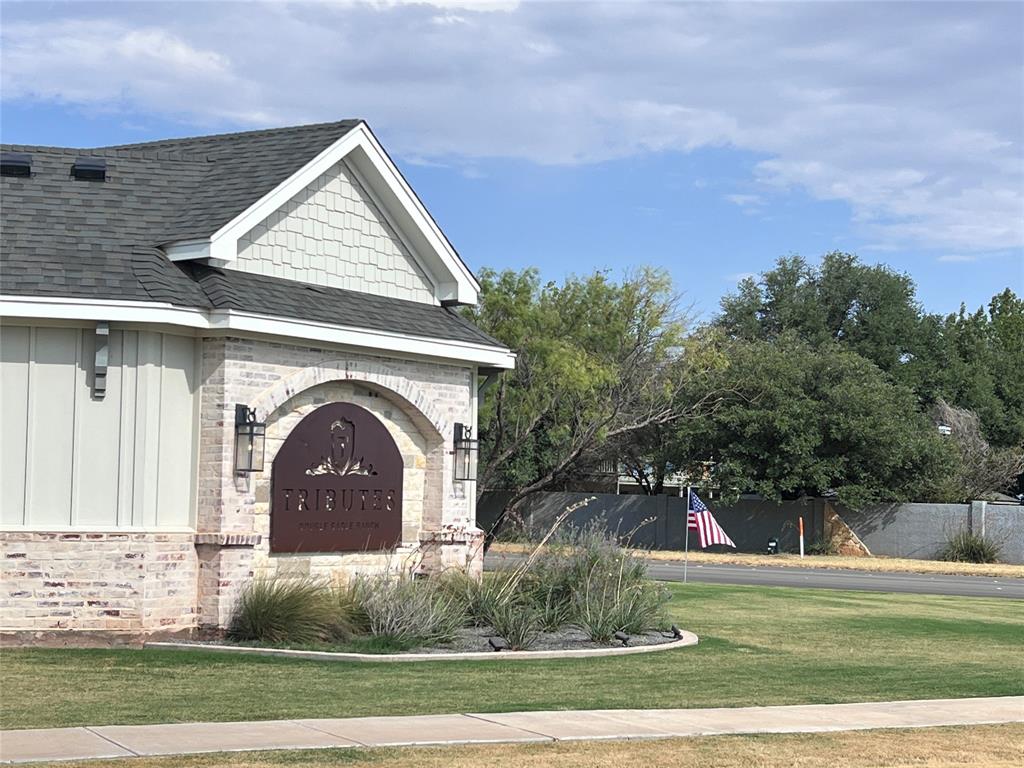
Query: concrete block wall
{"points": [[920, 530], [109, 581], [916, 531], [659, 522], [332, 233]]}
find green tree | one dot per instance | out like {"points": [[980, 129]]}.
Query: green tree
{"points": [[1006, 320], [971, 359], [806, 420], [869, 309], [597, 360], [974, 360]]}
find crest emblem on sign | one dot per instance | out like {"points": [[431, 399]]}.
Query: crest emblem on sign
{"points": [[342, 460]]}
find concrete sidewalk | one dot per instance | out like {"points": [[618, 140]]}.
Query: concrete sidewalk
{"points": [[184, 738]]}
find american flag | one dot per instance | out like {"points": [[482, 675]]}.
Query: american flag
{"points": [[700, 519]]}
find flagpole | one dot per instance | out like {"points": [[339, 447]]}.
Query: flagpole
{"points": [[686, 556]]}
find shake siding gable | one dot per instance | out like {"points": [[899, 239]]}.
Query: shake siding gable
{"points": [[334, 234]]}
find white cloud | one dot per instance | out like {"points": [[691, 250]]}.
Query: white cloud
{"points": [[953, 258], [907, 112]]}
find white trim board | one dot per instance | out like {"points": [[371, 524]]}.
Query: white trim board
{"points": [[250, 323], [361, 152]]}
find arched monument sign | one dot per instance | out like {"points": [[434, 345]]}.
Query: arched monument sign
{"points": [[336, 484]]}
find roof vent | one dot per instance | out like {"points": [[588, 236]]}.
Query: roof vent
{"points": [[15, 164], [89, 169]]}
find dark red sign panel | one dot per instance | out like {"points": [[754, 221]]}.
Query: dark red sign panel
{"points": [[337, 484]]}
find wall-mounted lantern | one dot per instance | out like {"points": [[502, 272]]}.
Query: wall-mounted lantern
{"points": [[466, 450], [249, 440]]}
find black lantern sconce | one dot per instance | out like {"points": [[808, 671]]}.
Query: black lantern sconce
{"points": [[249, 440], [466, 450]]}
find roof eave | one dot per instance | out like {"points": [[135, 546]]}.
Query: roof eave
{"points": [[204, 321]]}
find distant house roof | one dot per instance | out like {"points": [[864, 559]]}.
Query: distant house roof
{"points": [[63, 237]]}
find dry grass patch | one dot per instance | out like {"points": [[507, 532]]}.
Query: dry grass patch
{"points": [[887, 564], [989, 746]]}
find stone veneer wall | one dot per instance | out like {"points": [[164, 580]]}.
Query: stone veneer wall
{"points": [[419, 402], [113, 581]]}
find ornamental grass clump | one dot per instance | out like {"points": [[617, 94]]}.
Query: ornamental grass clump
{"points": [[277, 610], [607, 585], [477, 596], [554, 611], [408, 612], [965, 546], [517, 623], [588, 580]]}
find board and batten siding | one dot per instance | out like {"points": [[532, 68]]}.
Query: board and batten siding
{"points": [[68, 459]]}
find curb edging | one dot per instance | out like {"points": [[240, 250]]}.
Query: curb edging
{"points": [[686, 639]]}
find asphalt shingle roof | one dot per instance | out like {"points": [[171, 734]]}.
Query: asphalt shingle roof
{"points": [[231, 289], [99, 240]]}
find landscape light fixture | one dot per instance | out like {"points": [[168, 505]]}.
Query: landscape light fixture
{"points": [[496, 644], [676, 631], [466, 449], [622, 637], [250, 438]]}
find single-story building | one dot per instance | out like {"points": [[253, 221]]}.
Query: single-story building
{"points": [[222, 357]]}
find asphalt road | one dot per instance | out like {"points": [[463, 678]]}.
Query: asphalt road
{"points": [[820, 578]]}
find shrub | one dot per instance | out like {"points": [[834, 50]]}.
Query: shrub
{"points": [[284, 611], [823, 546], [517, 623], [407, 611], [965, 546]]}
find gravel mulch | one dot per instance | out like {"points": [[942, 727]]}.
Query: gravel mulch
{"points": [[566, 639]]}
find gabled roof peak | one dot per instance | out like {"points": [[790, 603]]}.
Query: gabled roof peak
{"points": [[200, 194]]}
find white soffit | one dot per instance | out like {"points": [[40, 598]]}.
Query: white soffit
{"points": [[361, 150]]}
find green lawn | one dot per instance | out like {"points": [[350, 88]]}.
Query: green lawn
{"points": [[759, 646]]}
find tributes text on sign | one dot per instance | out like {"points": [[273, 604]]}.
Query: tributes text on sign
{"points": [[337, 484]]}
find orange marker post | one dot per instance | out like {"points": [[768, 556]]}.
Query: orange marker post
{"points": [[801, 536]]}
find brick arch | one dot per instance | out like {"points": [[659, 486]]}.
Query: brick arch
{"points": [[407, 394]]}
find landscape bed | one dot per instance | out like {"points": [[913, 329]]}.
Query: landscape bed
{"points": [[566, 644], [584, 596]]}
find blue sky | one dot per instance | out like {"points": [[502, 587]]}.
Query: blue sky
{"points": [[706, 138]]}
